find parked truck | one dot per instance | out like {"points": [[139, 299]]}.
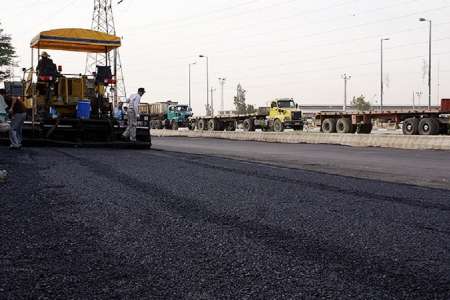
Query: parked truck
{"points": [[165, 115], [414, 122], [281, 114]]}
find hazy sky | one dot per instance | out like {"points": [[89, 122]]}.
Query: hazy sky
{"points": [[274, 48]]}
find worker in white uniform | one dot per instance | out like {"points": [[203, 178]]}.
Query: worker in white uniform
{"points": [[133, 114]]}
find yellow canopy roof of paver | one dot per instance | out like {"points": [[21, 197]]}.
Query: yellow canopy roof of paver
{"points": [[76, 39]]}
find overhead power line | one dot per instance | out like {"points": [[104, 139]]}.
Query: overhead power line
{"points": [[311, 35], [195, 17], [295, 16], [250, 11]]}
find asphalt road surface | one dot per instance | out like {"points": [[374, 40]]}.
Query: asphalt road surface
{"points": [[156, 224], [419, 167]]}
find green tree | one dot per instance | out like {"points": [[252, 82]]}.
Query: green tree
{"points": [[251, 109], [360, 103], [7, 54], [239, 100]]}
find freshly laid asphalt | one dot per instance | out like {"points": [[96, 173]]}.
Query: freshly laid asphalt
{"points": [[158, 224]]}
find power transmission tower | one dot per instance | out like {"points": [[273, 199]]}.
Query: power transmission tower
{"points": [[103, 21]]}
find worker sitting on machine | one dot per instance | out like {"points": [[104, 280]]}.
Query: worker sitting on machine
{"points": [[46, 68], [47, 73]]}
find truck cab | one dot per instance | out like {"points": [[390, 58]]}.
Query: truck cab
{"points": [[284, 113], [178, 115]]}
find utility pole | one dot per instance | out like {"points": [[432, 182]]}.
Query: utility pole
{"points": [[346, 79], [212, 101], [429, 60], [103, 21], [191, 64], [208, 108], [382, 79], [438, 81], [222, 83]]}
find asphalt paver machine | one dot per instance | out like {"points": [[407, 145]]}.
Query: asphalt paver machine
{"points": [[75, 108]]}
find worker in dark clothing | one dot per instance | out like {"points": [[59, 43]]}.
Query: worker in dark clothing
{"points": [[47, 72], [46, 66], [18, 116]]}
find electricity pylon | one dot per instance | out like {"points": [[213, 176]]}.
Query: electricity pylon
{"points": [[103, 21]]}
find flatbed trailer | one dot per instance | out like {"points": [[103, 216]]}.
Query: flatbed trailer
{"points": [[249, 122], [414, 122]]}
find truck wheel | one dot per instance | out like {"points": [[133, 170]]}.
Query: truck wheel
{"points": [[231, 126], [248, 125], [329, 126], [212, 125], [201, 125], [444, 129], [192, 126], [278, 126], [174, 125], [344, 125], [166, 124], [429, 126], [411, 126], [364, 128]]}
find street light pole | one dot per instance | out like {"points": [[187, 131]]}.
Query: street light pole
{"points": [[346, 79], [429, 61], [212, 101], [222, 83], [191, 64], [382, 79], [207, 83]]}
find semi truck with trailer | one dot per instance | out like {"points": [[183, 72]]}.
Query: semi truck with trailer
{"points": [[414, 122], [165, 115], [281, 114]]}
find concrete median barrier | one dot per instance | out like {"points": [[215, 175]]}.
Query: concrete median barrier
{"points": [[353, 140]]}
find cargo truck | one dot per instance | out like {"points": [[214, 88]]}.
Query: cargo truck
{"points": [[414, 122], [281, 114], [165, 115]]}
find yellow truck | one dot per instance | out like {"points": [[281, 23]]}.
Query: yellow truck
{"points": [[281, 114]]}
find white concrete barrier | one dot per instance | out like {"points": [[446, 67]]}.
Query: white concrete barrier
{"points": [[353, 140]]}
